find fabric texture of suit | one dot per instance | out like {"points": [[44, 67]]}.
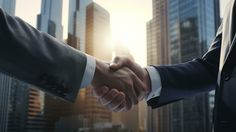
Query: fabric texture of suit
{"points": [[39, 59], [215, 70]]}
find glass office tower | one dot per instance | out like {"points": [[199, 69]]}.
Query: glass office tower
{"points": [[77, 23], [50, 19], [191, 27], [8, 6], [5, 81]]}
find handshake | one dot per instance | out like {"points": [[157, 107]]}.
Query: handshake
{"points": [[120, 85]]}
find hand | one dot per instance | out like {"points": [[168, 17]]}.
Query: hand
{"points": [[112, 99], [119, 62], [115, 100], [122, 80]]}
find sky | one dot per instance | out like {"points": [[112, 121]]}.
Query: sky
{"points": [[128, 21]]}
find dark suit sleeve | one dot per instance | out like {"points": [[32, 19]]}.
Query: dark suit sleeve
{"points": [[39, 59], [191, 78]]}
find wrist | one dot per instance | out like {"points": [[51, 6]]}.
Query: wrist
{"points": [[99, 74]]}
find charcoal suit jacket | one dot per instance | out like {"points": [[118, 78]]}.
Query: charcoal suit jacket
{"points": [[39, 59], [215, 70]]}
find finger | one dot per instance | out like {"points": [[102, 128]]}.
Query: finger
{"points": [[139, 87], [100, 91], [115, 64], [111, 95], [130, 90], [119, 62], [121, 107], [116, 101]]}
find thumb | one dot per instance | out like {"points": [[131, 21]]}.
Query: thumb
{"points": [[116, 63]]}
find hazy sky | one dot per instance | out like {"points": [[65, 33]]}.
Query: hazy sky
{"points": [[128, 20]]}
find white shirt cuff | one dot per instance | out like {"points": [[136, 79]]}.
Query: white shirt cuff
{"points": [[89, 72], [155, 83]]}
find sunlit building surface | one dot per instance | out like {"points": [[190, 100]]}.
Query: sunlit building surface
{"points": [[190, 28], [157, 36], [25, 109], [157, 53], [21, 108], [98, 32], [97, 44]]}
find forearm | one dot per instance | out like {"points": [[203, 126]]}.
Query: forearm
{"points": [[188, 79], [180, 82], [39, 59]]}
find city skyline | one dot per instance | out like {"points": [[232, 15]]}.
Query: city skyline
{"points": [[137, 34], [130, 37]]}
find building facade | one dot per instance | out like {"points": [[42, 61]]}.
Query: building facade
{"points": [[190, 28], [5, 81], [157, 35], [97, 45], [26, 109], [50, 19], [8, 6], [5, 89], [77, 23], [158, 54]]}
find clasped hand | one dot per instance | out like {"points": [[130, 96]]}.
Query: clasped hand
{"points": [[121, 84]]}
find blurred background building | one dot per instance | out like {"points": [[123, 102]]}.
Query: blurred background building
{"points": [[50, 19], [77, 23], [180, 31]]}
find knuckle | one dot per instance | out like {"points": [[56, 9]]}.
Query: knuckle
{"points": [[117, 58], [127, 60]]}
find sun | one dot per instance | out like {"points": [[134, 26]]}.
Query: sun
{"points": [[128, 38]]}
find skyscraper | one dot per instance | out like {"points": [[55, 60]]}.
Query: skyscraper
{"points": [[98, 32], [5, 88], [8, 6], [191, 26], [157, 36], [157, 53], [25, 112], [5, 81], [50, 19], [77, 23], [97, 44], [190, 38]]}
